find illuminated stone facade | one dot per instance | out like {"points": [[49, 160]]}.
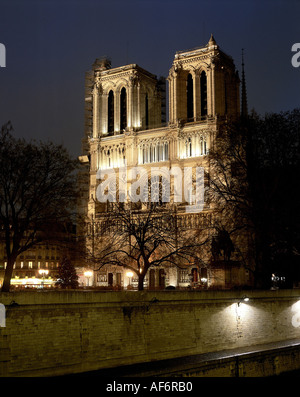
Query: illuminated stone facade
{"points": [[124, 124]]}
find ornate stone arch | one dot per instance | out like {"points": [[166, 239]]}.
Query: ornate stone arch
{"points": [[121, 83], [109, 86], [202, 67], [189, 69]]}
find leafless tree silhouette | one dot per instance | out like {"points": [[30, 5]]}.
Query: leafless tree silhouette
{"points": [[37, 193]]}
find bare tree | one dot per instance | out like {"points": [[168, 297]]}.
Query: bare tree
{"points": [[230, 195], [140, 239], [253, 168], [37, 192]]}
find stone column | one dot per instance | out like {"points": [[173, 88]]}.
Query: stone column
{"points": [[194, 145], [96, 110], [138, 113], [117, 112], [178, 147], [104, 118], [100, 157], [211, 91], [197, 115], [139, 154], [129, 104], [173, 151], [170, 82], [173, 104]]}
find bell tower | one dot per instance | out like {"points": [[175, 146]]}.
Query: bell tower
{"points": [[203, 83], [122, 99]]}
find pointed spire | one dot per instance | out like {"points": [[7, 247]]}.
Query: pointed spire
{"points": [[244, 110], [212, 40]]}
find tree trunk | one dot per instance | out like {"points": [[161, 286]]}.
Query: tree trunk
{"points": [[8, 274], [141, 282]]}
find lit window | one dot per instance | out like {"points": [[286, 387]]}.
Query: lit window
{"points": [[184, 276]]}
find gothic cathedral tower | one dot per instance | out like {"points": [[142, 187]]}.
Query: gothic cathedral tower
{"points": [[203, 84], [125, 122]]}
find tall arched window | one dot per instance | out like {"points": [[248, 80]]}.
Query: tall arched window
{"points": [[203, 93], [166, 151], [188, 147], [189, 97], [110, 111], [123, 110]]}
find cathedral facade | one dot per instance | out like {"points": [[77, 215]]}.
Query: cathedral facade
{"points": [[125, 125]]}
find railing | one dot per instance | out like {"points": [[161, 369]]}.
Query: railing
{"points": [[106, 223]]}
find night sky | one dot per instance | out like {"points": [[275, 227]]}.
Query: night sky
{"points": [[51, 44]]}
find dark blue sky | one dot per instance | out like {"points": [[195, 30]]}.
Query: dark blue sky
{"points": [[50, 45]]}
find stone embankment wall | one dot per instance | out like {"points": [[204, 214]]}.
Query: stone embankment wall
{"points": [[56, 333]]}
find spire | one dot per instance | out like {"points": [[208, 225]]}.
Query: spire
{"points": [[244, 110], [212, 41]]}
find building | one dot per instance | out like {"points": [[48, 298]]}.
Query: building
{"points": [[125, 124], [38, 266]]}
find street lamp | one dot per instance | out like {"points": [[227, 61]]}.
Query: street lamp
{"points": [[243, 299], [129, 275], [88, 274], [43, 272]]}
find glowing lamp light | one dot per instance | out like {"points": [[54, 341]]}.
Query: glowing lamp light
{"points": [[88, 274], [129, 275], [244, 299], [44, 273]]}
